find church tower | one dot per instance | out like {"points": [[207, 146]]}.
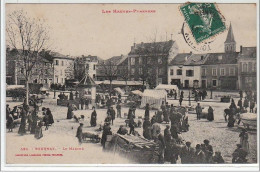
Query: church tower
{"points": [[230, 43]]}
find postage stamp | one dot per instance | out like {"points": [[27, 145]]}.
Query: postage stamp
{"points": [[203, 19]]}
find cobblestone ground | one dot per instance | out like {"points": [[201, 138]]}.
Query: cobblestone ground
{"points": [[61, 135]]}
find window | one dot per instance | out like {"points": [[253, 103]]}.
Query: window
{"points": [[57, 62], [159, 60], [214, 83], [149, 60], [62, 63], [244, 69], [94, 67], [140, 60], [222, 72], [250, 66], [94, 76], [179, 72], [61, 72], [171, 72], [204, 72], [161, 71], [140, 70], [189, 72], [87, 67], [214, 72], [132, 71], [232, 71], [254, 67], [132, 61]]}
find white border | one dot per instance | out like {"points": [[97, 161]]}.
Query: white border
{"points": [[113, 167]]}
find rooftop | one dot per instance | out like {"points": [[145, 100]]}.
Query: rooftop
{"points": [[151, 48]]}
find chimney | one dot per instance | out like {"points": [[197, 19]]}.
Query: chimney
{"points": [[241, 48], [190, 52], [201, 57]]}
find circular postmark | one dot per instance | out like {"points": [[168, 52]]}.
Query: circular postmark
{"points": [[204, 46]]}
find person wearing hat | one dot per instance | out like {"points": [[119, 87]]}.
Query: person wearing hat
{"points": [[200, 156], [79, 133], [208, 150], [198, 111], [118, 108], [239, 155], [187, 154], [112, 114], [93, 119], [244, 140]]}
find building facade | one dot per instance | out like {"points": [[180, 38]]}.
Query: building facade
{"points": [[63, 67], [148, 62], [85, 65], [247, 68], [42, 72]]}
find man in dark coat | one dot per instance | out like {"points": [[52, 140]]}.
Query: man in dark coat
{"points": [[198, 111], [187, 154], [180, 100], [34, 121], [112, 114], [93, 119], [252, 105], [240, 104], [118, 108], [79, 133], [131, 125]]}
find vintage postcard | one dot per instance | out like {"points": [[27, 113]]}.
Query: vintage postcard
{"points": [[143, 86]]}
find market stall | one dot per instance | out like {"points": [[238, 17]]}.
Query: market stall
{"points": [[154, 98]]}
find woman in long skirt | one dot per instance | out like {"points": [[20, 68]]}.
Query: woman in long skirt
{"points": [[22, 130], [210, 116], [69, 113], [244, 140]]}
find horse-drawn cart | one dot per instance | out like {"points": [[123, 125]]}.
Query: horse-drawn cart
{"points": [[134, 148]]}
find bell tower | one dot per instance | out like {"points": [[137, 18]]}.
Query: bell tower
{"points": [[230, 43]]}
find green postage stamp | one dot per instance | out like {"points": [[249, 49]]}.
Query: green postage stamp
{"points": [[204, 20]]}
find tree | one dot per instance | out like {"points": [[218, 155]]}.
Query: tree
{"points": [[28, 36], [110, 71]]}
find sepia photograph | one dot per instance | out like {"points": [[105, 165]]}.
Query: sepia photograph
{"points": [[161, 84]]}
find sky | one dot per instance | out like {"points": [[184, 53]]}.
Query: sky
{"points": [[82, 29]]}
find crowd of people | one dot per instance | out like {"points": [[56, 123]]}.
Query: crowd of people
{"points": [[29, 119], [170, 143]]}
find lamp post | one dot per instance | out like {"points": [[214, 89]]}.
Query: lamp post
{"points": [[189, 98], [211, 92]]}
